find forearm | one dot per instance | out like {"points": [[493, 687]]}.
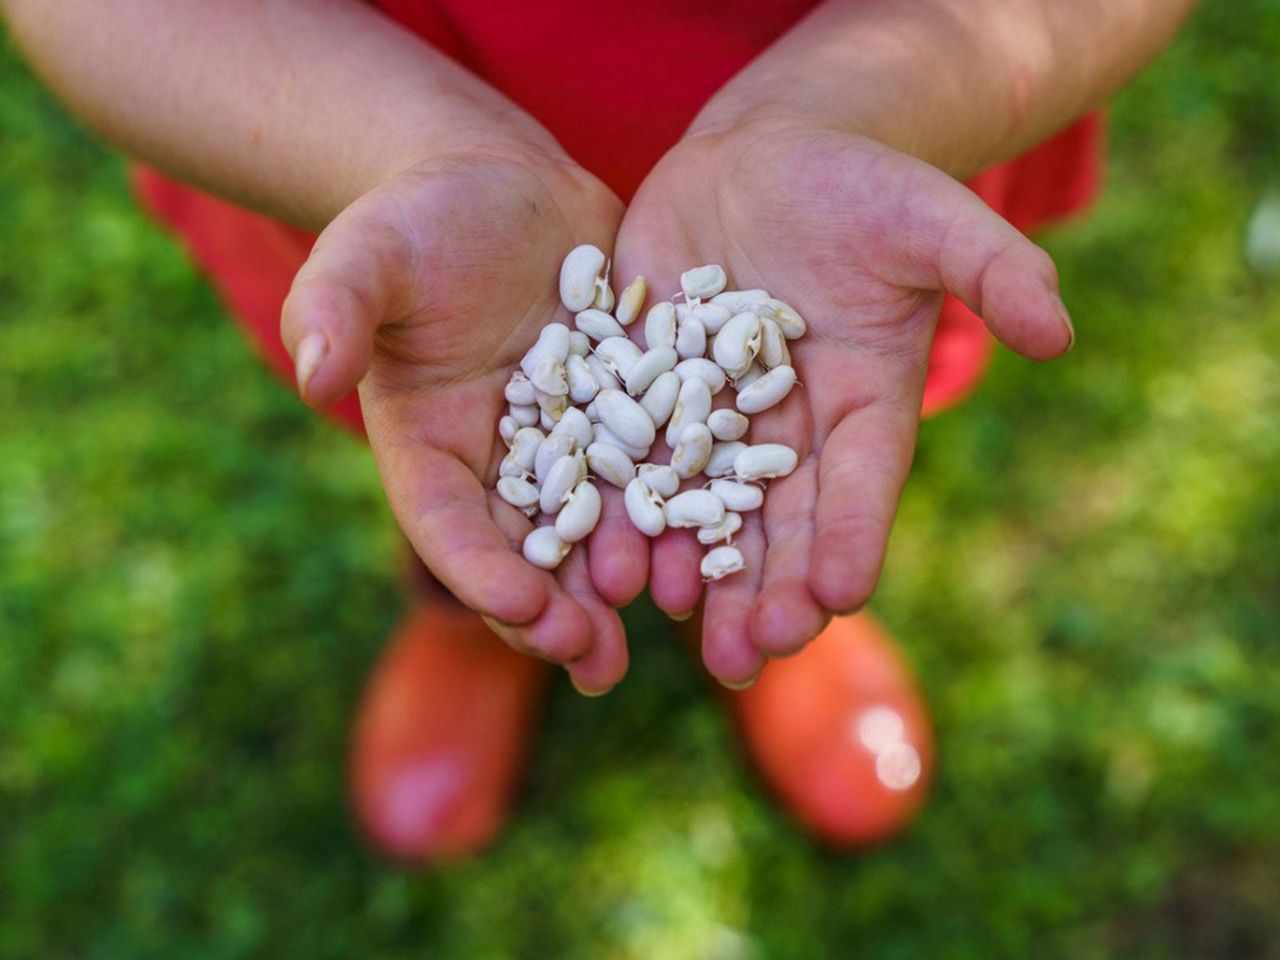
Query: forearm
{"points": [[961, 84], [292, 107]]}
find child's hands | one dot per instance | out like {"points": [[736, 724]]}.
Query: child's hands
{"points": [[426, 292], [862, 241]]}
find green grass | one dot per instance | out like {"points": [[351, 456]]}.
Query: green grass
{"points": [[195, 574]]}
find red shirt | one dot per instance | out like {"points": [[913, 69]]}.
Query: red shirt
{"points": [[616, 83]]}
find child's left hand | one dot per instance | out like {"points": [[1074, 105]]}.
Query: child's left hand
{"points": [[862, 240]]}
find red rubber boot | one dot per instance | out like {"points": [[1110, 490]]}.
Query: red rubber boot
{"points": [[440, 735], [840, 733]]}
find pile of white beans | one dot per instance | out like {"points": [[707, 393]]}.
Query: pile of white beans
{"points": [[589, 402]]}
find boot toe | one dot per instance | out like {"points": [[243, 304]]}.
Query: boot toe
{"points": [[440, 736], [840, 733]]}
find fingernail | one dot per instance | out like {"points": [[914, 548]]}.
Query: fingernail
{"points": [[511, 635], [743, 684], [1066, 320], [680, 617], [588, 693], [311, 352]]}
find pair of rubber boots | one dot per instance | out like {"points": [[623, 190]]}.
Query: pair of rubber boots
{"points": [[838, 732]]}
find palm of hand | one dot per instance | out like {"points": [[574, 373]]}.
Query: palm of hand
{"points": [[429, 290], [861, 240]]}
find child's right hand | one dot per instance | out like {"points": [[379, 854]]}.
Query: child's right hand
{"points": [[425, 293]]}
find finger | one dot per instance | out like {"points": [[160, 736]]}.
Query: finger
{"points": [[728, 650], [604, 663], [864, 463], [617, 553], [675, 580], [470, 541], [1004, 278], [786, 616], [449, 519], [561, 633], [359, 272]]}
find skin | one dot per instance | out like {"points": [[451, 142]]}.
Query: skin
{"points": [[402, 313], [822, 172], [863, 241]]}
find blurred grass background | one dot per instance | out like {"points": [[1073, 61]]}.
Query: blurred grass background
{"points": [[195, 574]]}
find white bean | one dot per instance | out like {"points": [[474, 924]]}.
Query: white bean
{"points": [[660, 399], [553, 405], [712, 316], [631, 301], [722, 458], [791, 323], [561, 478], [604, 295], [692, 406], [525, 445], [727, 424], [754, 373], [763, 461], [724, 530], [736, 344], [583, 386], [552, 344], [507, 429], [619, 354], [648, 368], [549, 451], [544, 548], [518, 492], [691, 338], [518, 389], [578, 275], [740, 301], [767, 391], [741, 497], [702, 282], [610, 463], [660, 325], [662, 479], [579, 344], [547, 375], [644, 507], [773, 346], [580, 513], [693, 450], [721, 562], [509, 467], [605, 377], [525, 416], [605, 435], [708, 371], [597, 324], [694, 508], [625, 417], [575, 423]]}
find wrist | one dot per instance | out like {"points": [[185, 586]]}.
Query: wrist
{"points": [[858, 68], [457, 130], [488, 145]]}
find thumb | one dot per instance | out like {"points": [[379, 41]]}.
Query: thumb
{"points": [[359, 273], [1004, 278]]}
